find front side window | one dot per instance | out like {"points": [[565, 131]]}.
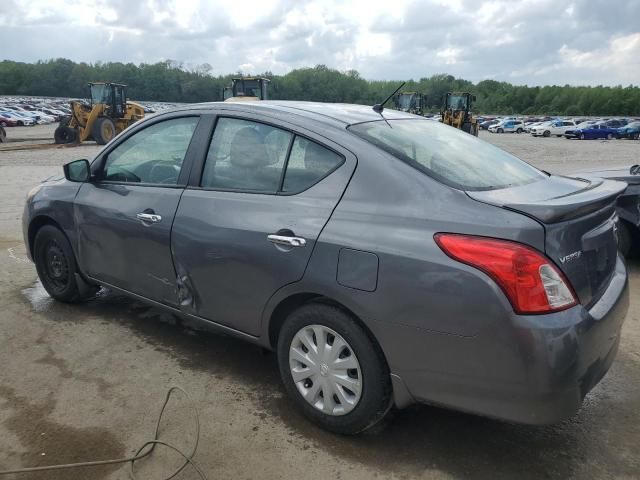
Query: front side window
{"points": [[447, 154], [246, 156], [308, 163], [153, 155]]}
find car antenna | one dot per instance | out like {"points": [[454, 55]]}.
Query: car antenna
{"points": [[379, 107]]}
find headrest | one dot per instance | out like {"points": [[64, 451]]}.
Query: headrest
{"points": [[247, 149]]}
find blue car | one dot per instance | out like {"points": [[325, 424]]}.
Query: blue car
{"points": [[632, 130], [595, 131]]}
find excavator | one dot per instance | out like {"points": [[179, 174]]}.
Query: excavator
{"points": [[456, 112], [106, 115], [412, 102], [246, 89]]}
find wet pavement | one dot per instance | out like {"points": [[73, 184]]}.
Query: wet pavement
{"points": [[84, 382]]}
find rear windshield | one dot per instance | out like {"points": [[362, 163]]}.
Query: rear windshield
{"points": [[447, 154]]}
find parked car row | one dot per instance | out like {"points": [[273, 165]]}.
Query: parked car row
{"points": [[28, 111], [583, 129], [16, 112]]}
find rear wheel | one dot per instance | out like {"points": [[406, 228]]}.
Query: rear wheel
{"points": [[103, 130], [64, 135], [609, 136], [546, 133], [582, 137], [636, 136], [56, 264], [519, 130], [333, 370]]}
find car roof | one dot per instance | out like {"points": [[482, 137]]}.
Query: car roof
{"points": [[340, 114]]}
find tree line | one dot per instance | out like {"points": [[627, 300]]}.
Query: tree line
{"points": [[171, 81]]}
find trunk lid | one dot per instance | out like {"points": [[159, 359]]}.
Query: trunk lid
{"points": [[579, 219]]}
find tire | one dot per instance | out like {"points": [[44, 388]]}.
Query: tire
{"points": [[500, 130], [582, 137], [103, 130], [546, 133], [519, 131], [56, 264], [3, 135], [635, 136], [20, 123], [3, 124], [372, 372], [63, 135], [609, 136]]}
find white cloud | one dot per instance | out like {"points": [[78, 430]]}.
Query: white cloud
{"points": [[525, 41]]}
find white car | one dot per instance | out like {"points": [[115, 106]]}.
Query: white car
{"points": [[555, 127], [507, 126]]}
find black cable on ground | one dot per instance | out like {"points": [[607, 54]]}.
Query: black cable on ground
{"points": [[144, 451]]}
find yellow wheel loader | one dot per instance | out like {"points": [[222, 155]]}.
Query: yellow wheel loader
{"points": [[456, 112], [107, 114], [246, 89]]}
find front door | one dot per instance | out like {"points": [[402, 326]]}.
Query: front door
{"points": [[248, 227], [124, 216]]}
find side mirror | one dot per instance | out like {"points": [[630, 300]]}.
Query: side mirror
{"points": [[77, 171]]}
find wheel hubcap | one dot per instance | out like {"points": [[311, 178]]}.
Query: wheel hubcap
{"points": [[56, 265], [325, 370]]}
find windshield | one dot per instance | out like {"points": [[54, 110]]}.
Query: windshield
{"points": [[404, 101], [457, 102], [100, 93], [447, 154]]}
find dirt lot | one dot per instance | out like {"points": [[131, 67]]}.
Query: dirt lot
{"points": [[86, 381]]}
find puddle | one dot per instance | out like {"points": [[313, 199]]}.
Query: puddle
{"points": [[38, 298], [58, 442]]}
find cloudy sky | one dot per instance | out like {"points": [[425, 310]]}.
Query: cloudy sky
{"points": [[532, 42]]}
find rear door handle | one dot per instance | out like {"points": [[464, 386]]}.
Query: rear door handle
{"points": [[287, 241], [149, 217]]}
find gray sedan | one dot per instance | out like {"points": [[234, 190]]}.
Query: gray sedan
{"points": [[387, 259]]}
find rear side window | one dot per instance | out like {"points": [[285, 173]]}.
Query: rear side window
{"points": [[246, 156], [308, 164], [447, 154]]}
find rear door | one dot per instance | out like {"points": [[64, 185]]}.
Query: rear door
{"points": [[124, 215], [247, 225]]}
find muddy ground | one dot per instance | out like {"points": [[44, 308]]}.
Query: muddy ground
{"points": [[86, 381]]}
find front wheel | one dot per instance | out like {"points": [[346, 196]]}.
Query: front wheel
{"points": [[546, 133], [103, 130], [333, 370], [500, 130], [582, 137], [518, 131], [609, 136], [56, 264]]}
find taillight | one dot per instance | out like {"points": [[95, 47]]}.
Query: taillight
{"points": [[531, 282]]}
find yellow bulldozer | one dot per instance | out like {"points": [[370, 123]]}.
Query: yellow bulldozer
{"points": [[106, 115], [456, 112], [246, 89]]}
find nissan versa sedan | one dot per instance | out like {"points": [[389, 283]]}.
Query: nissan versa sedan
{"points": [[387, 259]]}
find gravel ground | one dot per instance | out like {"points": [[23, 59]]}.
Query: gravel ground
{"points": [[86, 381]]}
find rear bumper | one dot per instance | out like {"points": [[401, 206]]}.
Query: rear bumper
{"points": [[536, 373]]}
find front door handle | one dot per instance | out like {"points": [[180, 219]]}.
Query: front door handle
{"points": [[287, 241], [149, 217]]}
